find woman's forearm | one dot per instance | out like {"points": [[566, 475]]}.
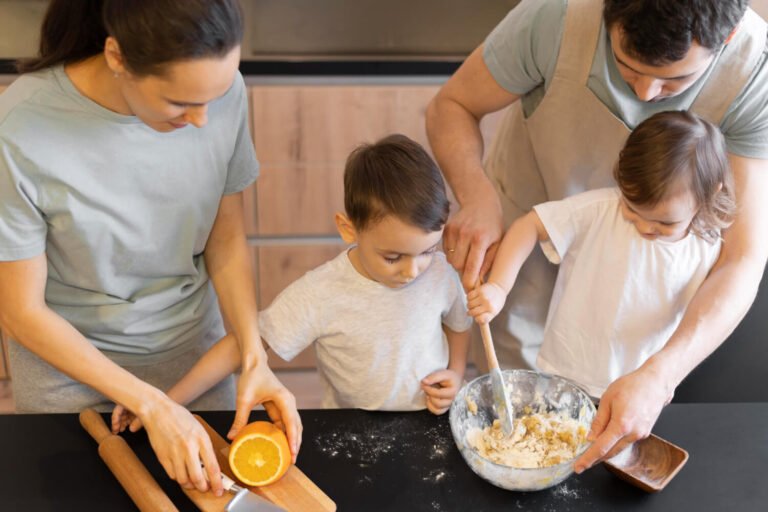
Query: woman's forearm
{"points": [[228, 263], [27, 319], [57, 342]]}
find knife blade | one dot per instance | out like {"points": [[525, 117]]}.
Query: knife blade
{"points": [[246, 500]]}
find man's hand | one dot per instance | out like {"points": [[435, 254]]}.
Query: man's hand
{"points": [[628, 410], [485, 302], [441, 388], [260, 386], [472, 237]]}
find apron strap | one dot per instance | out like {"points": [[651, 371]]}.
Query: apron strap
{"points": [[583, 19], [734, 68]]}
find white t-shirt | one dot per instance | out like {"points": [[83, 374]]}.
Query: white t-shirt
{"points": [[374, 344], [618, 297]]}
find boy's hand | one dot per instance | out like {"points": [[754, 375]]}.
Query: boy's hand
{"points": [[441, 388], [485, 302], [122, 418]]}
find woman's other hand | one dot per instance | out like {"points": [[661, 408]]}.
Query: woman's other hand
{"points": [[258, 385]]}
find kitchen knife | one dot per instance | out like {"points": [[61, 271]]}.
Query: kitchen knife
{"points": [[245, 500]]}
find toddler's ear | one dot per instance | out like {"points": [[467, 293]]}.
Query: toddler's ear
{"points": [[346, 228]]}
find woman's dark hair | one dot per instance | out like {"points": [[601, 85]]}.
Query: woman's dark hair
{"points": [[673, 147], [658, 32], [151, 33], [394, 176]]}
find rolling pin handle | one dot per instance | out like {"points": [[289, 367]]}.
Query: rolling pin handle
{"points": [[94, 424]]}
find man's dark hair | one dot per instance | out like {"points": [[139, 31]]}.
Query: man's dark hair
{"points": [[394, 176], [658, 32]]}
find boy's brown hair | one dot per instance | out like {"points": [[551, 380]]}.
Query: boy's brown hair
{"points": [[394, 176], [677, 145]]}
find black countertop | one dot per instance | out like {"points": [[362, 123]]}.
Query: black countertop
{"points": [[403, 462]]}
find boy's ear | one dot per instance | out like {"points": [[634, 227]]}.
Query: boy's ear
{"points": [[346, 228], [114, 56]]}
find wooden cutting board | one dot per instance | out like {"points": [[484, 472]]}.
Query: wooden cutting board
{"points": [[295, 492]]}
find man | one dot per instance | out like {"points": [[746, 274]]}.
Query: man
{"points": [[579, 76]]}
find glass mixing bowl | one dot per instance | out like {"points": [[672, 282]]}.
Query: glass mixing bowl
{"points": [[542, 393]]}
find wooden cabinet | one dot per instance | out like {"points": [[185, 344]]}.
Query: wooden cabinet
{"points": [[3, 347]]}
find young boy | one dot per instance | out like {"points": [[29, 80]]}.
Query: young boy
{"points": [[388, 315]]}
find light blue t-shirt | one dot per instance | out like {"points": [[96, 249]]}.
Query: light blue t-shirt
{"points": [[521, 54], [122, 212]]}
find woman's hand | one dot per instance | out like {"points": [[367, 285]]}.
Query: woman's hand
{"points": [[181, 444], [259, 385], [441, 388], [485, 302]]}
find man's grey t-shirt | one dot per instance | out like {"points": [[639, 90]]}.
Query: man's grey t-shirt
{"points": [[521, 54], [122, 212]]}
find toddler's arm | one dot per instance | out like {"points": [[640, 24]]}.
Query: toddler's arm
{"points": [[486, 301], [219, 361], [441, 386]]}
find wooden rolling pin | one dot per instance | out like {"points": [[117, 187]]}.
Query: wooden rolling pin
{"points": [[126, 466]]}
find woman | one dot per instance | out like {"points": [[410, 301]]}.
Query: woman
{"points": [[124, 149]]}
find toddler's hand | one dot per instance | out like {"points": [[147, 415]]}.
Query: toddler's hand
{"points": [[441, 388], [485, 302], [122, 418]]}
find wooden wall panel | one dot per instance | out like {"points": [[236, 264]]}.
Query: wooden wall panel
{"points": [[321, 124], [303, 135]]}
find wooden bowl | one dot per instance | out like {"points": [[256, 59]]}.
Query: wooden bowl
{"points": [[649, 463]]}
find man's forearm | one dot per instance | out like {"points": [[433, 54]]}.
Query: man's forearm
{"points": [[456, 140], [714, 312]]}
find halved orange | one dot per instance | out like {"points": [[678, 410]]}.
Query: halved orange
{"points": [[259, 454]]}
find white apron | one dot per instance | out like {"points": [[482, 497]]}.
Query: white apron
{"points": [[570, 144]]}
